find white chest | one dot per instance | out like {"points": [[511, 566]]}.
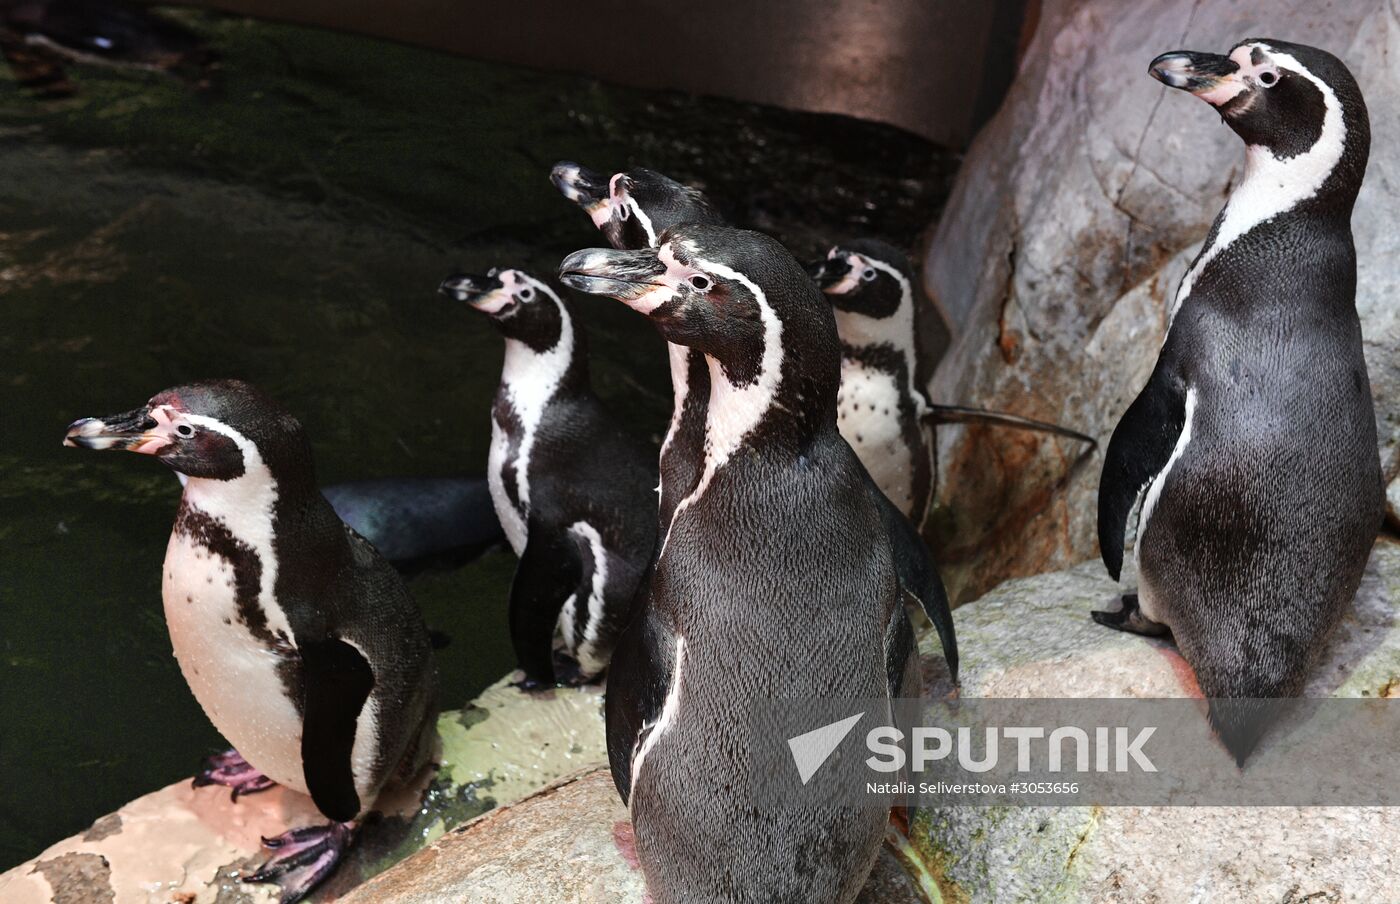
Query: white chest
{"points": [[233, 675], [868, 416]]}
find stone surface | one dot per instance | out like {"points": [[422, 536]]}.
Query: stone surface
{"points": [[1033, 638], [1070, 225], [567, 844], [184, 844]]}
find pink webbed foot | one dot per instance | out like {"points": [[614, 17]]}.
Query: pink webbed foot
{"points": [[232, 771], [302, 858]]}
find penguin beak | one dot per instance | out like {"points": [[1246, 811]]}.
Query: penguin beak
{"points": [[474, 290], [583, 186], [134, 431], [628, 276], [824, 274], [1210, 76]]}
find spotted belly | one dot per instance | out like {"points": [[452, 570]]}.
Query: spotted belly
{"points": [[239, 679], [868, 415]]}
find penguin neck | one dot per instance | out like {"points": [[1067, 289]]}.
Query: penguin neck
{"points": [[1307, 186], [533, 376]]}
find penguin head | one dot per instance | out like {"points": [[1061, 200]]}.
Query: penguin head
{"points": [[1298, 103], [634, 208], [737, 296], [216, 430], [522, 307], [865, 277]]}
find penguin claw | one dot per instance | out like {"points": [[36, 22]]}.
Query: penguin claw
{"points": [[303, 858], [232, 771]]}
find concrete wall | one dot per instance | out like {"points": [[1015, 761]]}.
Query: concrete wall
{"points": [[934, 67]]}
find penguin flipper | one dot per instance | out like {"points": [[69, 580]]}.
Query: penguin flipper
{"points": [[1141, 446], [961, 414], [337, 681], [918, 576], [639, 677], [547, 573]]}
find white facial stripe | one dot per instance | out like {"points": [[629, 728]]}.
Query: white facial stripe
{"points": [[665, 720], [1154, 491], [1272, 186], [529, 380], [734, 411], [245, 506]]}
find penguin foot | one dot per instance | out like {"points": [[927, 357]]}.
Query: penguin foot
{"points": [[1129, 618], [568, 672], [232, 771], [302, 858]]}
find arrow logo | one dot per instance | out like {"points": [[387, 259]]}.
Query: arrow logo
{"points": [[812, 749]]}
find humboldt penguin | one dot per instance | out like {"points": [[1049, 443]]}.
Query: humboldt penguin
{"points": [[1253, 444], [575, 492], [301, 643], [882, 410], [775, 580], [633, 210]]}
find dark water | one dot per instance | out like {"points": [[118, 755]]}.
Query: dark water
{"points": [[289, 227]]}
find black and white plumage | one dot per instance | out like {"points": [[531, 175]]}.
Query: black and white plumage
{"points": [[634, 209], [761, 589], [883, 410], [1253, 445], [301, 643], [573, 490]]}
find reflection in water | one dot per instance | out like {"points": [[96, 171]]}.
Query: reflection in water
{"points": [[289, 227]]}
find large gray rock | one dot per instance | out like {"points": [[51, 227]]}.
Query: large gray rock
{"points": [[568, 844], [1033, 638], [1069, 227]]}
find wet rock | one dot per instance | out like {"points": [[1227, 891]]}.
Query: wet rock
{"points": [[1033, 638], [1070, 225], [105, 827], [569, 843], [78, 878], [192, 844]]}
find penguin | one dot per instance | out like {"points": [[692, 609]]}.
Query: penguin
{"points": [[882, 410], [420, 523], [633, 209], [299, 641], [1253, 444], [574, 491], [39, 37], [774, 581]]}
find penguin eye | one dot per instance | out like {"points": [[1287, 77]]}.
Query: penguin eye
{"points": [[867, 275], [527, 293], [624, 212], [185, 430], [701, 282], [1268, 78]]}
